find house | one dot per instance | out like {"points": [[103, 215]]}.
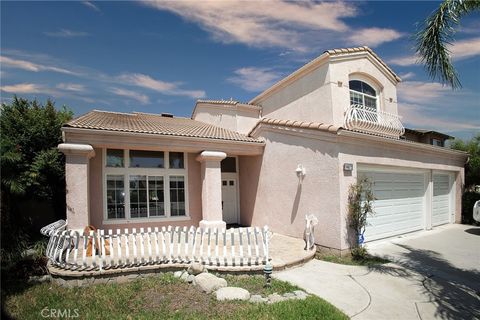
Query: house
{"points": [[427, 136], [291, 151]]}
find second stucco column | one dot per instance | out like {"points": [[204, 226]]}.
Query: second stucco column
{"points": [[76, 178], [211, 189]]}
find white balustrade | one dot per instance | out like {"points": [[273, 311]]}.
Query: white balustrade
{"points": [[369, 120], [106, 249]]}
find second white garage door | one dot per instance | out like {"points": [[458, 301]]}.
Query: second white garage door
{"points": [[399, 205], [441, 199]]}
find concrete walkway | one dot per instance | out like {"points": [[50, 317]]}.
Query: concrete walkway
{"points": [[433, 275]]}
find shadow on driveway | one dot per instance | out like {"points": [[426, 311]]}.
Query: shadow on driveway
{"points": [[455, 291], [474, 231]]}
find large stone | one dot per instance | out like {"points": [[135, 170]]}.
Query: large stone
{"points": [[195, 268], [256, 298], [302, 295], [191, 278], [232, 293], [177, 274], [275, 297], [184, 276], [209, 283]]}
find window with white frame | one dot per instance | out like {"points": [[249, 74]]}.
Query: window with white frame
{"points": [[144, 184], [362, 94]]}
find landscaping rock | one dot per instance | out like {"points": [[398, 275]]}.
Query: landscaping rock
{"points": [[191, 278], [184, 276], [299, 294], [289, 295], [275, 297], [40, 279], [232, 293], [195, 268], [256, 298], [177, 274], [208, 282]]}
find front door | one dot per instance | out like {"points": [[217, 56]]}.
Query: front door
{"points": [[229, 200]]}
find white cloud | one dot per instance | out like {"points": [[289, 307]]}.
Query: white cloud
{"points": [[30, 66], [262, 23], [91, 5], [254, 79], [23, 88], [404, 61], [142, 98], [65, 33], [465, 48], [374, 36], [75, 87], [421, 92], [421, 117], [167, 88], [459, 50], [406, 76]]}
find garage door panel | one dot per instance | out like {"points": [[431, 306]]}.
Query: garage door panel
{"points": [[399, 204], [441, 199]]}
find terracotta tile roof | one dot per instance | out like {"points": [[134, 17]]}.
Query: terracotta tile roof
{"points": [[361, 49], [155, 124], [297, 124]]}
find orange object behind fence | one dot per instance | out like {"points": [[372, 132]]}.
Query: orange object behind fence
{"points": [[90, 242]]}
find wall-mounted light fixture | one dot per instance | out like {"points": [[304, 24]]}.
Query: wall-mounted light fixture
{"points": [[348, 166], [300, 171]]}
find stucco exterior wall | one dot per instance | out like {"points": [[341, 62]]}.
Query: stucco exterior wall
{"points": [[96, 197], [272, 194], [306, 99], [229, 117]]}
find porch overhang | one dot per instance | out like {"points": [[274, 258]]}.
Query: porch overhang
{"points": [[147, 141]]}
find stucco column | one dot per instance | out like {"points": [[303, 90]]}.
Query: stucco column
{"points": [[211, 189], [76, 177]]}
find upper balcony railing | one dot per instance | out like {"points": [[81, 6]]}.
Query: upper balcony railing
{"points": [[369, 120]]}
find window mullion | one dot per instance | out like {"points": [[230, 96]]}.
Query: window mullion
{"points": [[167, 194], [126, 178], [148, 196]]}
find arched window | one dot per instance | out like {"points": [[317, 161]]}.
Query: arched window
{"points": [[362, 94]]}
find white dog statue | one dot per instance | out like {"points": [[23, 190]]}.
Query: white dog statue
{"points": [[310, 222]]}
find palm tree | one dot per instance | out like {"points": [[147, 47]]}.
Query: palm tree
{"points": [[436, 34]]}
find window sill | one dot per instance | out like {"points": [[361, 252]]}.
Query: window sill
{"points": [[146, 220]]}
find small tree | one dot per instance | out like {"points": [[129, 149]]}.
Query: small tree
{"points": [[472, 175], [360, 206], [32, 167]]}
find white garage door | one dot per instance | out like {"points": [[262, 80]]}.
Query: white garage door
{"points": [[399, 204], [441, 199]]}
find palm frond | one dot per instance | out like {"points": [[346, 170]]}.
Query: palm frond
{"points": [[437, 34]]}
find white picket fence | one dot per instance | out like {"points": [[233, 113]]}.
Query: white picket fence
{"points": [[180, 245]]}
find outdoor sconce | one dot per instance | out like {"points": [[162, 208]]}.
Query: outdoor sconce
{"points": [[300, 171], [348, 166]]}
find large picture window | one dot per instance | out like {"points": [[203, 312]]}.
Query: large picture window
{"points": [[144, 184]]}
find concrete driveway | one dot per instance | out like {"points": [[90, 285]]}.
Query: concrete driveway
{"points": [[433, 275]]}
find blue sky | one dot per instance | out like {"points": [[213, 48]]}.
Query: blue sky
{"points": [[162, 56]]}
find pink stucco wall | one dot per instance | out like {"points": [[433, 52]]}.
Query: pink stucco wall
{"points": [[271, 193], [96, 197]]}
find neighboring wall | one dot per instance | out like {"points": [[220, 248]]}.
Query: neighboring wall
{"points": [[96, 197], [272, 194]]}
